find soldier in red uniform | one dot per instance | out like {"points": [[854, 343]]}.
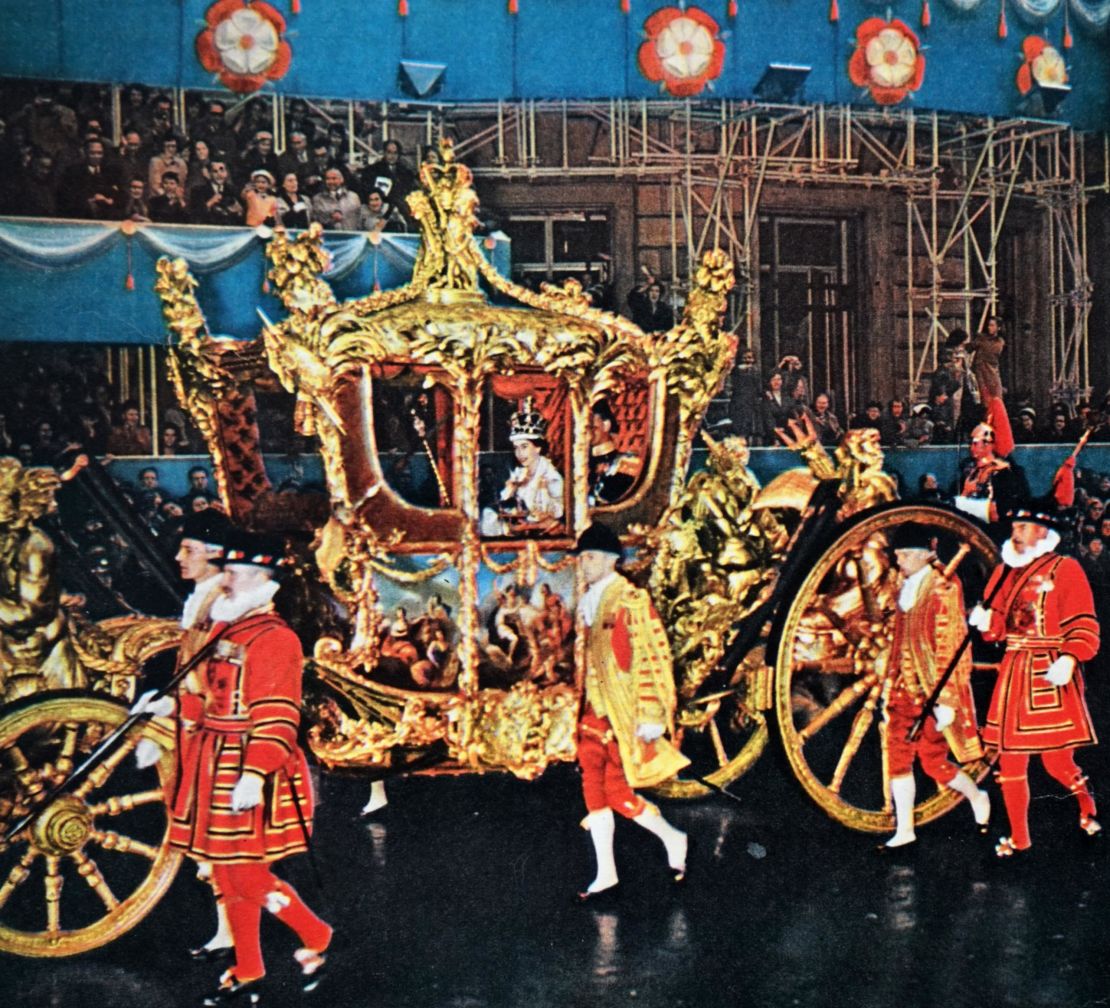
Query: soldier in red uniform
{"points": [[1045, 614], [243, 797], [628, 711], [928, 629]]}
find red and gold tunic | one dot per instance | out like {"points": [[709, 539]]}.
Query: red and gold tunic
{"points": [[1042, 611], [243, 719], [926, 637]]}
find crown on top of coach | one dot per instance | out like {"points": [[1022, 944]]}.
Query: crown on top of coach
{"points": [[527, 423]]}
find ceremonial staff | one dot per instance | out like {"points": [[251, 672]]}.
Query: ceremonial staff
{"points": [[107, 745]]}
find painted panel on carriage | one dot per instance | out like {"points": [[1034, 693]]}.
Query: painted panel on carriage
{"points": [[526, 621], [590, 49]]}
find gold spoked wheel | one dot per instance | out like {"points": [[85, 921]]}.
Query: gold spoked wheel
{"points": [[94, 862], [722, 734], [832, 666]]}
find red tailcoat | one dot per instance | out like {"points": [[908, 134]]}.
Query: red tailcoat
{"points": [[243, 718], [1042, 611]]}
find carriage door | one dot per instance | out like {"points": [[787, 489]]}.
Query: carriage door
{"points": [[805, 306]]}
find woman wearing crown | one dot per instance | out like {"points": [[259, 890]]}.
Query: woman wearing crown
{"points": [[531, 502]]}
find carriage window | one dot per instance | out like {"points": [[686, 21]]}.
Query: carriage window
{"points": [[618, 444], [521, 472], [412, 424]]}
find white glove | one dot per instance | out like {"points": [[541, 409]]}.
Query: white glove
{"points": [[979, 618], [146, 704], [977, 507], [247, 792], [147, 753], [944, 716], [649, 732], [1059, 673]]}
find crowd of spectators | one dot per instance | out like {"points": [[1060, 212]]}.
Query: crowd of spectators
{"points": [[57, 159]]}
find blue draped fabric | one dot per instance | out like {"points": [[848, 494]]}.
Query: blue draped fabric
{"points": [[66, 282]]}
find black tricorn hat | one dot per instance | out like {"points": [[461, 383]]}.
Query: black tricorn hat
{"points": [[209, 526], [913, 535], [254, 548], [600, 538]]}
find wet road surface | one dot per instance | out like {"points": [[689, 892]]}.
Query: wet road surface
{"points": [[460, 896]]}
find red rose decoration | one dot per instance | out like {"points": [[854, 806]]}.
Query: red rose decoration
{"points": [[887, 60], [682, 50], [1043, 65], [243, 44]]}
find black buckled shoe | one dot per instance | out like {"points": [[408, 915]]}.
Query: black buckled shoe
{"points": [[234, 992], [313, 967], [204, 953], [598, 898]]}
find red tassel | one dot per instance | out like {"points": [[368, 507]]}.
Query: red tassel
{"points": [[377, 287], [834, 12], [926, 14], [514, 7], [296, 6], [1068, 40], [733, 8], [266, 286], [129, 283], [1003, 31], [626, 6], [402, 8]]}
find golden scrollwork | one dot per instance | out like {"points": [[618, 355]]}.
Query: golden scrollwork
{"points": [[715, 558]]}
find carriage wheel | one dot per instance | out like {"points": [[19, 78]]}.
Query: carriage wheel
{"points": [[722, 734], [830, 671], [94, 862]]}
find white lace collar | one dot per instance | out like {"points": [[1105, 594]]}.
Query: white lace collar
{"points": [[1012, 558]]}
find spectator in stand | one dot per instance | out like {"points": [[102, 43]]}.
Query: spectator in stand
{"points": [[337, 149], [313, 179], [1026, 430], [390, 176], [170, 439], [892, 426], [159, 121], [46, 444], [336, 208], [293, 208], [129, 436], [35, 195], [870, 417], [213, 130], [777, 409], [953, 392], [919, 427], [198, 488], [200, 165], [987, 348], [794, 383], [46, 126], [259, 155], [262, 204], [746, 402], [1059, 429], [148, 479], [169, 207], [297, 157], [825, 421], [215, 201], [380, 216], [91, 190], [168, 161], [132, 161], [648, 309], [1091, 520], [137, 207]]}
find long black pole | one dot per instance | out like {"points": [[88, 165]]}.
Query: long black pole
{"points": [[919, 722], [107, 744]]}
